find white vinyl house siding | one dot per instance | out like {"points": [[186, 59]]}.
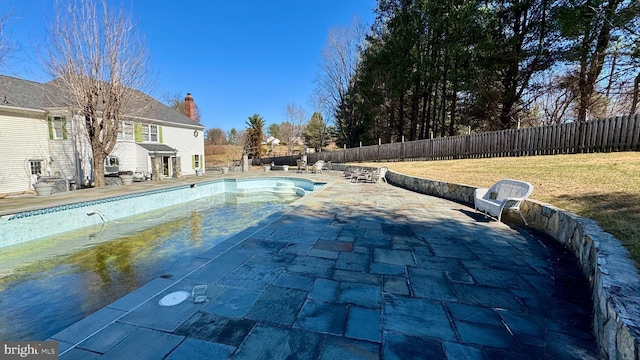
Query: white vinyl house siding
{"points": [[24, 137], [187, 145], [62, 149]]}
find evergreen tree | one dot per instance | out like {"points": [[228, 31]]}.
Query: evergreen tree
{"points": [[254, 135]]}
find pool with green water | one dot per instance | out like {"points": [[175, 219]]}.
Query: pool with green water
{"points": [[48, 284]]}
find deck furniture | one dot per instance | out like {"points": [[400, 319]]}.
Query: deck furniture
{"points": [[317, 167], [377, 176], [504, 194]]}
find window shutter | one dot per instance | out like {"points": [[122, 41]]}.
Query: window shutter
{"points": [[137, 130], [64, 128], [50, 123], [193, 161], [160, 135]]}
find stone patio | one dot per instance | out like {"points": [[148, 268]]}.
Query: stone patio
{"points": [[358, 271]]}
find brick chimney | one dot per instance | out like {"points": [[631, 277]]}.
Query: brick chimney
{"points": [[189, 107]]}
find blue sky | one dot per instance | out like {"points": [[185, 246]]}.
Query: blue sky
{"points": [[236, 57]]}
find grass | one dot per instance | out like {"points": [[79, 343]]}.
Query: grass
{"points": [[603, 187], [220, 155]]}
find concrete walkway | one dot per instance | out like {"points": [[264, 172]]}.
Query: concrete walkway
{"points": [[357, 271]]}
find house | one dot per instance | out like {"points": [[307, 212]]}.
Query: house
{"points": [[272, 141], [40, 136]]}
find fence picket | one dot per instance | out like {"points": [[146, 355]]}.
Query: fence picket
{"points": [[601, 135]]}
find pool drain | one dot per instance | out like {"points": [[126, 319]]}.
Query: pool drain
{"points": [[174, 298]]}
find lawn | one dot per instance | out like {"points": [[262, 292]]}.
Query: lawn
{"points": [[603, 187]]}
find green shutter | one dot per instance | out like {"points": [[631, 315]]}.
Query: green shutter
{"points": [[137, 132], [160, 134], [64, 127], [193, 161], [50, 123]]}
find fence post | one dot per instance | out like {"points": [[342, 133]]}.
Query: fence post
{"points": [[402, 149], [344, 154]]}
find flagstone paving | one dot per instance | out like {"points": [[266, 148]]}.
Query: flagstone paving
{"points": [[358, 271]]}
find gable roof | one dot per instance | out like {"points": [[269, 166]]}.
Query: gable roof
{"points": [[21, 93], [33, 95]]}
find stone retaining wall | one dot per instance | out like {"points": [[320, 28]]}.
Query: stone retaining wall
{"points": [[614, 280]]}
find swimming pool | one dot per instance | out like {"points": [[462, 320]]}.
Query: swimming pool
{"points": [[30, 225], [50, 283]]}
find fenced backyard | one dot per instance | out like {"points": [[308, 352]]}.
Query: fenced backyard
{"points": [[602, 135]]}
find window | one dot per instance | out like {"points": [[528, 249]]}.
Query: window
{"points": [[36, 167], [154, 132], [126, 131], [111, 161], [57, 127], [111, 165], [149, 133], [196, 161]]}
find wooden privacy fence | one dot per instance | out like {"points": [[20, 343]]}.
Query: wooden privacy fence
{"points": [[602, 135]]}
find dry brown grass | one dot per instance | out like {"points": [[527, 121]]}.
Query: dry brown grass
{"points": [[603, 187], [219, 155]]}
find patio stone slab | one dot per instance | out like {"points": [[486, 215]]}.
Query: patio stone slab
{"points": [[486, 335], [396, 284], [431, 284], [311, 266], [294, 281], [325, 290], [270, 307], [87, 326], [144, 344], [323, 317], [78, 354], [216, 329], [251, 276], [356, 277], [474, 314], [394, 257], [364, 324], [417, 317], [267, 342], [108, 338], [387, 269], [487, 297], [232, 302], [342, 348], [499, 278], [462, 351], [364, 295], [353, 262], [334, 245], [403, 347], [194, 349]]}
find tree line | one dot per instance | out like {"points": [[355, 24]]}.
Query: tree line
{"points": [[430, 68], [295, 132]]}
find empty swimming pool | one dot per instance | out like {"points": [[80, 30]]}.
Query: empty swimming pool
{"points": [[48, 284]]}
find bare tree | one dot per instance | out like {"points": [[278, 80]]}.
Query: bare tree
{"points": [[100, 66], [296, 118], [216, 136], [176, 102], [340, 58], [5, 45]]}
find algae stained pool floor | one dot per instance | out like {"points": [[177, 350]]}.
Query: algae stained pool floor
{"points": [[48, 284]]}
